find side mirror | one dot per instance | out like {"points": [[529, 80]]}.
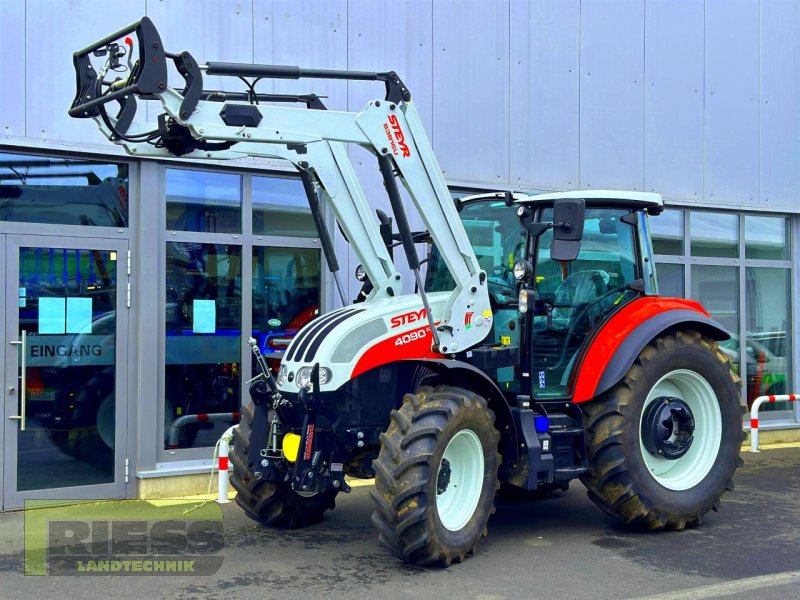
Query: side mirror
{"points": [[568, 218]]}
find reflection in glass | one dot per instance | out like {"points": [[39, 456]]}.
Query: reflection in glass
{"points": [[203, 322], [714, 234], [280, 207], [670, 280], [767, 318], [67, 302], [286, 293], [717, 289], [204, 201], [38, 189], [666, 230], [766, 237]]}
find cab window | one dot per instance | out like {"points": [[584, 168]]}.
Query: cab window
{"points": [[572, 297]]}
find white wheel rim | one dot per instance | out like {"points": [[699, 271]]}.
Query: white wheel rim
{"points": [[457, 503], [690, 469]]}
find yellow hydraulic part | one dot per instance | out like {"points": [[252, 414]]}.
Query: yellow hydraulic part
{"points": [[291, 446]]}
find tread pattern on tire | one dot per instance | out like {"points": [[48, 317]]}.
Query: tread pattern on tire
{"points": [[608, 482], [403, 470], [269, 503]]}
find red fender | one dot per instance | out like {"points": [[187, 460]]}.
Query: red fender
{"points": [[602, 348]]}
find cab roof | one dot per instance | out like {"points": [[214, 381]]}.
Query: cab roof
{"points": [[646, 200]]}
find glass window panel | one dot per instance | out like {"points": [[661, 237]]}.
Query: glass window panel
{"points": [[667, 232], [280, 207], [286, 293], [767, 318], [766, 237], [40, 189], [205, 202], [670, 280], [714, 234], [717, 289], [203, 323]]}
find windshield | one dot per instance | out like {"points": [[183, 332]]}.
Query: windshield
{"points": [[497, 238]]}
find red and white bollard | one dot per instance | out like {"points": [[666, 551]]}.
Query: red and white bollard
{"points": [[754, 415], [224, 445]]}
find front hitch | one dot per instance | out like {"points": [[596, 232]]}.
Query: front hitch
{"points": [[320, 461]]}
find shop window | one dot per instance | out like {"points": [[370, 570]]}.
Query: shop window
{"points": [[766, 238], [286, 296], [203, 343], [717, 289], [667, 232], [204, 202], [670, 280], [714, 234], [280, 207], [767, 312], [63, 191]]}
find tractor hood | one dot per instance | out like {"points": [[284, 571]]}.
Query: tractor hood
{"points": [[354, 339]]}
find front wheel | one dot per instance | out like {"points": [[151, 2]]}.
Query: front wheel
{"points": [[436, 476], [663, 444]]}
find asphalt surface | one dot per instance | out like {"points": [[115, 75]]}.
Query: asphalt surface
{"points": [[562, 547]]}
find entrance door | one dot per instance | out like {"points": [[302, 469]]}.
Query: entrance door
{"points": [[64, 368]]}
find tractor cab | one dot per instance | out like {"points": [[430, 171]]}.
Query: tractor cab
{"points": [[557, 265]]}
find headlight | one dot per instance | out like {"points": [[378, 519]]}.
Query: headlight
{"points": [[522, 269], [325, 375], [361, 274], [282, 372], [303, 377], [523, 301]]}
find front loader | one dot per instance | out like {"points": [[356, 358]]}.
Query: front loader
{"points": [[534, 351]]}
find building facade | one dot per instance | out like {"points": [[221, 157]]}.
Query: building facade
{"points": [[132, 286]]}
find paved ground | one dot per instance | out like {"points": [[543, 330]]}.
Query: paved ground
{"points": [[557, 548]]}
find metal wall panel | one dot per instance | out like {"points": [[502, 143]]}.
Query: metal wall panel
{"points": [[12, 73], [470, 89], [731, 101], [545, 93], [612, 103], [673, 125], [308, 33], [50, 76], [780, 103], [210, 31]]}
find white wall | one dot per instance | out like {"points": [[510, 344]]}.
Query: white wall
{"points": [[697, 100]]}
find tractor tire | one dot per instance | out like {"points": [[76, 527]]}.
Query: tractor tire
{"points": [[645, 469], [436, 476], [270, 503]]}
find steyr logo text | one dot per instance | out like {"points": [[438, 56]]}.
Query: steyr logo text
{"points": [[401, 145]]}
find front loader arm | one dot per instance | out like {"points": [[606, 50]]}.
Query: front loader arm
{"points": [[195, 125]]}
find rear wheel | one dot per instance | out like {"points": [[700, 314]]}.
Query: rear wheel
{"points": [[270, 503], [436, 476], [663, 444]]}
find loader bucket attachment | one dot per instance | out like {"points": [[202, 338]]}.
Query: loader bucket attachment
{"points": [[148, 74]]}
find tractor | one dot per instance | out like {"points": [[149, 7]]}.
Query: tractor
{"points": [[533, 350]]}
